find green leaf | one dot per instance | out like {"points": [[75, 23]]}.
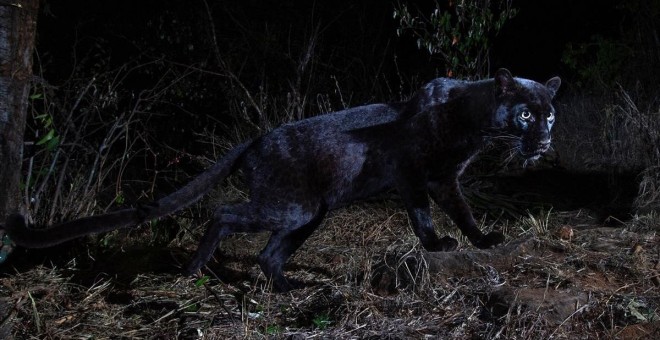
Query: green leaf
{"points": [[322, 321], [53, 143], [5, 240], [36, 96], [635, 308], [200, 282], [273, 329], [192, 308], [47, 137], [120, 199]]}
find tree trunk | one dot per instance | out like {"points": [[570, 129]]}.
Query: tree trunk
{"points": [[18, 21]]}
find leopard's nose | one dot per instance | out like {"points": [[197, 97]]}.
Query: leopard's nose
{"points": [[544, 144]]}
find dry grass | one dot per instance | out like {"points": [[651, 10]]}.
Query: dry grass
{"points": [[366, 277], [615, 134]]}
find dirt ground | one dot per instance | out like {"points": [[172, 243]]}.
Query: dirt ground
{"points": [[561, 275]]}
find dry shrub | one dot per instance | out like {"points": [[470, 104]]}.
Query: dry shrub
{"points": [[83, 137], [616, 134], [649, 190]]}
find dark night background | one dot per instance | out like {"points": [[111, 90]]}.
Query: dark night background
{"points": [[530, 45], [355, 37], [131, 99]]}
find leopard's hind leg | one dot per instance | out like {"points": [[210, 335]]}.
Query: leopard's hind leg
{"points": [[282, 244], [291, 224]]}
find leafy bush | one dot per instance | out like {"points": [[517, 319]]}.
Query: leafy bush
{"points": [[459, 33]]}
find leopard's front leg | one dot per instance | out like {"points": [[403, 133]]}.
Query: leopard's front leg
{"points": [[450, 198], [415, 196]]}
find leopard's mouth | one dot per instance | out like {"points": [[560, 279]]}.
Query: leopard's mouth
{"points": [[533, 154]]}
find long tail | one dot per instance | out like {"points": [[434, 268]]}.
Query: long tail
{"points": [[20, 234]]}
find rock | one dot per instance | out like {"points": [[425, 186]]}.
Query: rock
{"points": [[471, 262], [552, 305]]}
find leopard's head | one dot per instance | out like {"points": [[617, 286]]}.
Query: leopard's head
{"points": [[524, 113]]}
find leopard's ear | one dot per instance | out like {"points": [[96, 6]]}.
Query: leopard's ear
{"points": [[553, 85], [505, 84]]}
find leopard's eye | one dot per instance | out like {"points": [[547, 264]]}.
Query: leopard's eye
{"points": [[551, 116], [525, 115]]}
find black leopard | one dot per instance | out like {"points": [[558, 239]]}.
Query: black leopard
{"points": [[300, 171]]}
